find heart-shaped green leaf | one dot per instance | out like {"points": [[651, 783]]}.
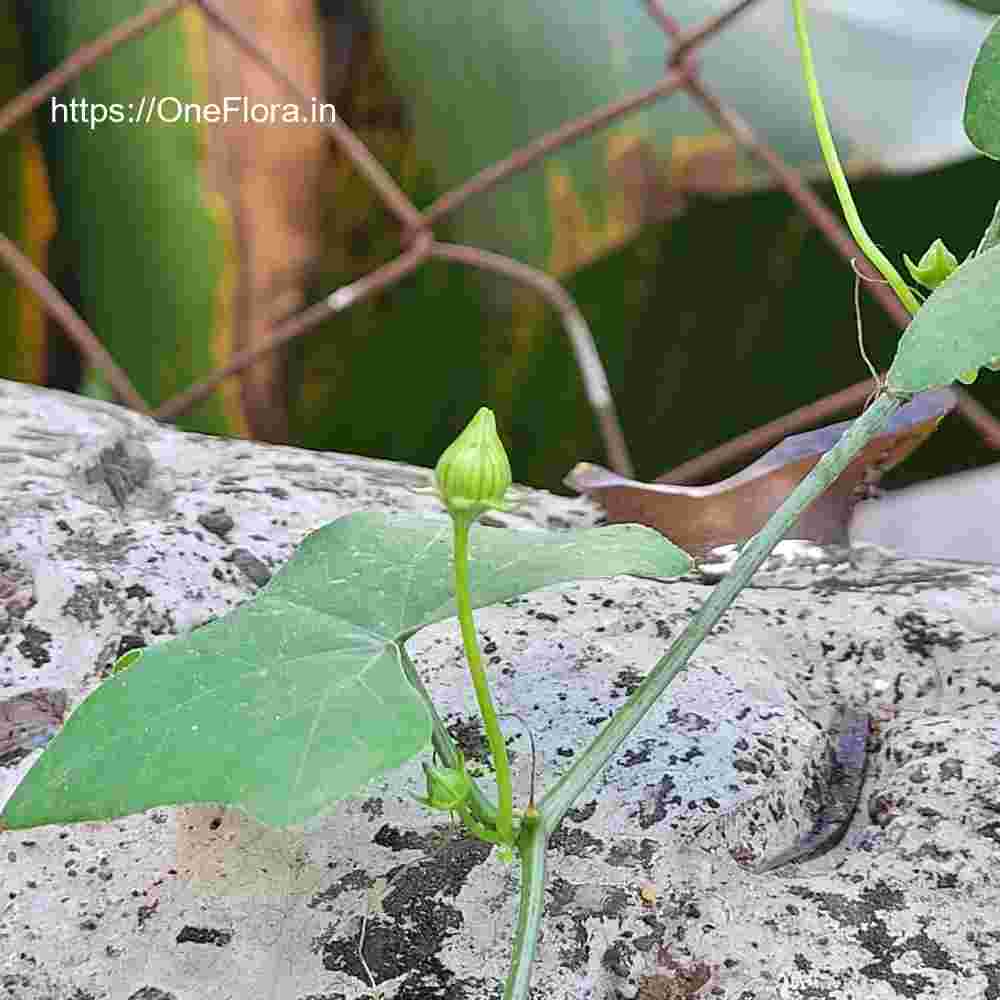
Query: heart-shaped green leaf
{"points": [[955, 333], [297, 698]]}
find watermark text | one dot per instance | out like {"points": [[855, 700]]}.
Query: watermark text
{"points": [[148, 110]]}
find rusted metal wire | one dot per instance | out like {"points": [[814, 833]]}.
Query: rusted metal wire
{"points": [[301, 323], [828, 225], [566, 134], [76, 329], [391, 194], [82, 58], [417, 242], [694, 470], [581, 340]]}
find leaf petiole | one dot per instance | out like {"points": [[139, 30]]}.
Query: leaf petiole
{"points": [[477, 829]]}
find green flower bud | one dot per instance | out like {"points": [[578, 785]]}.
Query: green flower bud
{"points": [[473, 474], [937, 265], [447, 787]]}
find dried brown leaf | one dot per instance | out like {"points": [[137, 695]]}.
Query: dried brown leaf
{"points": [[698, 518]]}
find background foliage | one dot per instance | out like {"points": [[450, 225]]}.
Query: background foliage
{"points": [[715, 306]]}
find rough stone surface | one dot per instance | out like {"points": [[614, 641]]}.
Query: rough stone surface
{"points": [[705, 861]]}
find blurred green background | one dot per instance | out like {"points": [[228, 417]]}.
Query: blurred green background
{"points": [[715, 306]]}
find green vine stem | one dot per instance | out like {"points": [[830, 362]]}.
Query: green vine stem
{"points": [[494, 735], [858, 231], [535, 830], [587, 766], [531, 847], [554, 803]]}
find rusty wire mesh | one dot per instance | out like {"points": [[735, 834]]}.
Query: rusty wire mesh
{"points": [[418, 243]]}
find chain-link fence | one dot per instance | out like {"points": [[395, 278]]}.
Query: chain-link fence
{"points": [[418, 243]]}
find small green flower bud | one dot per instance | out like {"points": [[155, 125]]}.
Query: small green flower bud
{"points": [[473, 474], [936, 266], [447, 787]]}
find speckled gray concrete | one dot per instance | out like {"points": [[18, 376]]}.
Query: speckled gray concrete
{"points": [[660, 886]]}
